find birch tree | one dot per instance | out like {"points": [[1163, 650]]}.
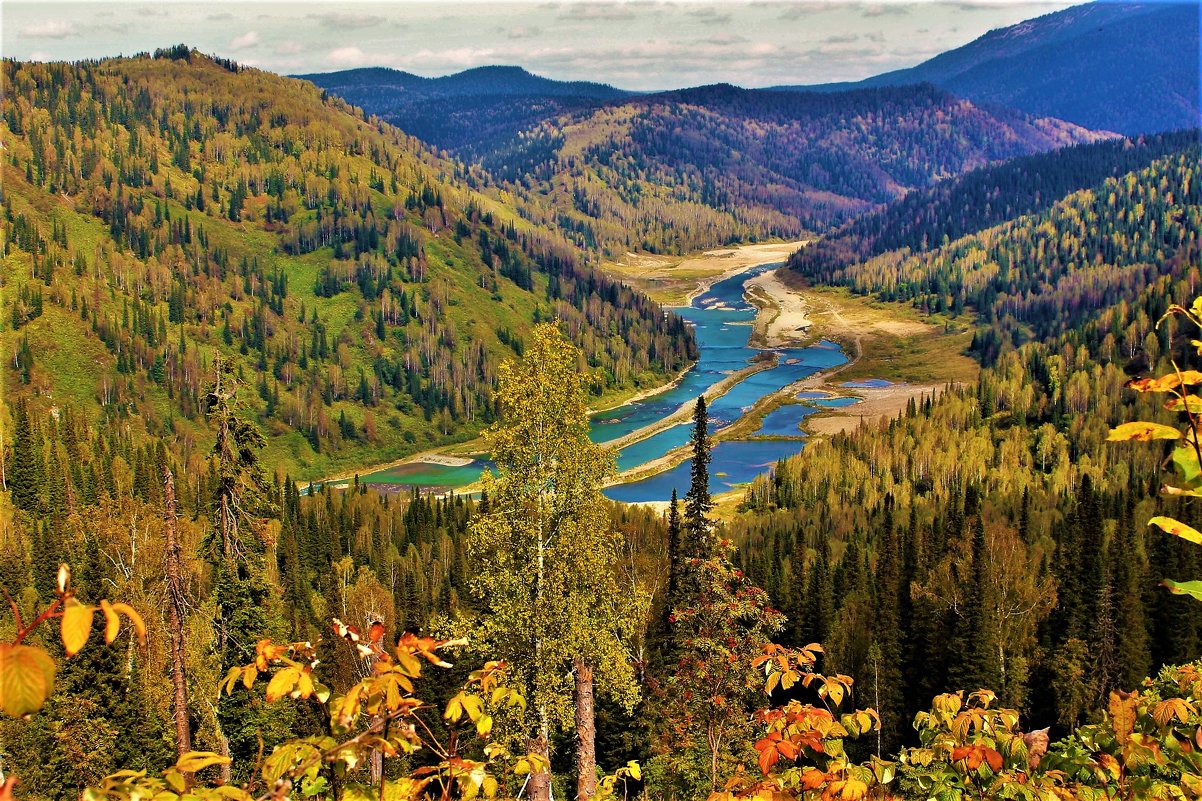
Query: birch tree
{"points": [[545, 555]]}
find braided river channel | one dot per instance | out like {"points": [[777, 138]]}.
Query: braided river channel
{"points": [[722, 320]]}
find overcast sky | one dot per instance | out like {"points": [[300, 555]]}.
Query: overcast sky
{"points": [[634, 45]]}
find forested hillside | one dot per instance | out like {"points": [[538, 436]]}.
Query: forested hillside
{"points": [[999, 513], [162, 211], [980, 199], [681, 171]]}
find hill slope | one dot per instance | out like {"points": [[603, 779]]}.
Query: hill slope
{"points": [[1125, 67], [980, 199], [685, 170], [1007, 489], [165, 211]]}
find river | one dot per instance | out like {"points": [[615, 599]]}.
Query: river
{"points": [[722, 320]]}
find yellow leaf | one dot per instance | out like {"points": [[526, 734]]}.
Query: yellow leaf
{"points": [[1189, 403], [1177, 529], [1166, 383], [304, 686], [112, 623], [76, 625], [1142, 432], [231, 678], [1122, 714], [199, 760], [26, 678], [854, 789], [175, 780], [134, 617]]}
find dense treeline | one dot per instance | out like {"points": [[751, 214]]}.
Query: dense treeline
{"points": [[160, 211], [702, 167], [998, 513], [949, 210]]}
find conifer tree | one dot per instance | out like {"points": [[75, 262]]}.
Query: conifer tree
{"points": [[24, 475], [241, 592]]}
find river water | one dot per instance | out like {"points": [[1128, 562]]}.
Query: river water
{"points": [[722, 320]]}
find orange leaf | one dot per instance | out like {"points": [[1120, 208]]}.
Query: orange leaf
{"points": [[812, 779]]}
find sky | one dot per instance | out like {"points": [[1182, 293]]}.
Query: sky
{"points": [[636, 44]]}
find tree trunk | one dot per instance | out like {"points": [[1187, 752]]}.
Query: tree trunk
{"points": [[586, 732], [176, 612], [539, 786]]}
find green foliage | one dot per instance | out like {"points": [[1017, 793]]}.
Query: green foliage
{"points": [[379, 715], [544, 556]]}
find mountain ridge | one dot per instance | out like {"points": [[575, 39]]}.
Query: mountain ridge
{"points": [[1124, 67]]}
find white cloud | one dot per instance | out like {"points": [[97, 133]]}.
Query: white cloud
{"points": [[289, 48], [246, 40], [346, 56], [352, 56], [49, 29]]}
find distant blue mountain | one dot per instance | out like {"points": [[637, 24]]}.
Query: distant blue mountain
{"points": [[458, 110], [1117, 66], [495, 81]]}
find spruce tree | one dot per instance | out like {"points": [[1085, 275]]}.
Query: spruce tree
{"points": [[241, 589], [696, 531]]}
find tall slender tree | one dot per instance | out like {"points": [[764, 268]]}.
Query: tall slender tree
{"points": [[241, 590], [545, 554], [674, 557]]}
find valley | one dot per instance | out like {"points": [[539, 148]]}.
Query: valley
{"points": [[735, 294], [486, 432]]}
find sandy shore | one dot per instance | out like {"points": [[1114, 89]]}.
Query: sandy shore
{"points": [[784, 315], [791, 316], [677, 280], [445, 460]]}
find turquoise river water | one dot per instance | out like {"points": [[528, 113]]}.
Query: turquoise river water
{"points": [[722, 320]]}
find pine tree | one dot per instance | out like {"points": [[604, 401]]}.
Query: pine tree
{"points": [[241, 591], [885, 684]]}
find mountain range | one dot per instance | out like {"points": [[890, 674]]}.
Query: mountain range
{"points": [[455, 111], [1125, 67]]}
